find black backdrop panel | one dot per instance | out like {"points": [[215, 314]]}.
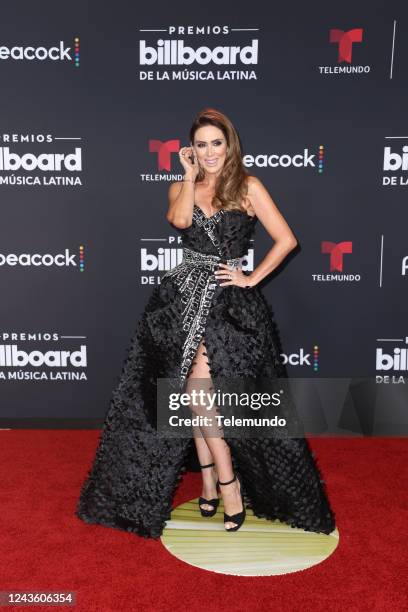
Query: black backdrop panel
{"points": [[97, 224]]}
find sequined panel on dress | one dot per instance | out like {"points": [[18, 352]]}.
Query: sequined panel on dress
{"points": [[197, 283]]}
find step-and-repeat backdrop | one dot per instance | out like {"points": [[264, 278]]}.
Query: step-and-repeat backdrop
{"points": [[96, 100]]}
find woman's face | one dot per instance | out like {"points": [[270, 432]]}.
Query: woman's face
{"points": [[210, 148]]}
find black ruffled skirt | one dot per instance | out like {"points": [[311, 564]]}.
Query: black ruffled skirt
{"points": [[136, 471]]}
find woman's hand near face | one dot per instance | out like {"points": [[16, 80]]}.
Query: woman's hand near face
{"points": [[185, 155], [181, 193]]}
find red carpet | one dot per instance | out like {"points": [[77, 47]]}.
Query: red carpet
{"points": [[44, 546]]}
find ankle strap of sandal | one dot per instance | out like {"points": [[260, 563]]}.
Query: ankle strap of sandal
{"points": [[208, 465], [229, 482]]}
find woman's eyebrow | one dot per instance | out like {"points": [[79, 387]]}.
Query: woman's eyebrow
{"points": [[211, 140]]}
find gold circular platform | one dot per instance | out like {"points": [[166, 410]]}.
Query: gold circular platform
{"points": [[259, 548]]}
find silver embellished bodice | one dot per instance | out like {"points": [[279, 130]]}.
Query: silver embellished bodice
{"points": [[223, 237], [227, 233]]}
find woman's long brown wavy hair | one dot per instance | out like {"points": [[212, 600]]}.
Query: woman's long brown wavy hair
{"points": [[231, 186]]}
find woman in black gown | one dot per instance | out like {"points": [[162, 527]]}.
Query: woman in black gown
{"points": [[207, 319]]}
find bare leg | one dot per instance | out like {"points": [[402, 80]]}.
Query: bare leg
{"points": [[212, 447]]}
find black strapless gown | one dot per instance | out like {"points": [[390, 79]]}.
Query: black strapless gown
{"points": [[136, 472]]}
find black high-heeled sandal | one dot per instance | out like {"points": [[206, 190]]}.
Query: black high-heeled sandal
{"points": [[238, 518], [211, 502]]}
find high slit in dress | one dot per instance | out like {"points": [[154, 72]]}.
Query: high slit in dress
{"points": [[135, 471]]}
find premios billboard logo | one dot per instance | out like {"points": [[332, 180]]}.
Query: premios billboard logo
{"points": [[391, 360], [177, 53], [155, 260], [37, 356], [54, 53], [40, 160], [395, 162]]}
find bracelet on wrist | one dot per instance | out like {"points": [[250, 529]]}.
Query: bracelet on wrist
{"points": [[188, 179]]}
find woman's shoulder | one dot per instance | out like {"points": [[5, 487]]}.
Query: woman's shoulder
{"points": [[253, 182], [246, 203]]}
